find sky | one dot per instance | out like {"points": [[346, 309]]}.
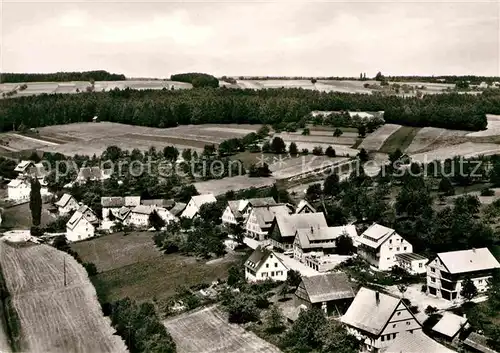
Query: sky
{"points": [[279, 38]]}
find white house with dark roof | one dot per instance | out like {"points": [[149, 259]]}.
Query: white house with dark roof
{"points": [[18, 189], [233, 213], [319, 240], [261, 218], [412, 263], [332, 293], [416, 342], [23, 167], [379, 245], [139, 216], [263, 264], [66, 204], [111, 204], [194, 205], [285, 227], [81, 225], [447, 271], [378, 319], [305, 207]]}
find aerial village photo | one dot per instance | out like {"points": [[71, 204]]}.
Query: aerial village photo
{"points": [[249, 177]]}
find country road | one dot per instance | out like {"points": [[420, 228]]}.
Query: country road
{"points": [[48, 143]]}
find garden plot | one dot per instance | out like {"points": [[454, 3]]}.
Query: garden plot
{"points": [[429, 136], [248, 84], [466, 150], [207, 331], [293, 167], [55, 317], [343, 86], [375, 140], [492, 129]]}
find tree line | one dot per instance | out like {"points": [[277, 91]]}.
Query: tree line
{"points": [[167, 108], [197, 79], [98, 75]]}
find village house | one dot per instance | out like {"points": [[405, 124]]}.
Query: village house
{"points": [[122, 215], [304, 207], [82, 224], [377, 319], [319, 240], [66, 204], [139, 216], [92, 174], [132, 201], [233, 213], [166, 215], [18, 190], [285, 227], [168, 204], [261, 218], [412, 263], [450, 326], [111, 204], [378, 245], [448, 270], [178, 208], [24, 167], [193, 207], [332, 293], [238, 211], [263, 264]]}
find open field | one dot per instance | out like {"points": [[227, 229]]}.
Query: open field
{"points": [[133, 267], [94, 138], [493, 127], [466, 149], [375, 140], [434, 137], [16, 142], [401, 139], [207, 331], [221, 186], [76, 86], [55, 317], [293, 167], [321, 138]]}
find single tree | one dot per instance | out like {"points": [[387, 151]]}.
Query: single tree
{"points": [[293, 278], [331, 186], [156, 221], [306, 131], [317, 151], [469, 290], [170, 153], [238, 233], [292, 149], [344, 245], [337, 132], [446, 187], [363, 155], [278, 146], [36, 202], [275, 322], [263, 131], [361, 131], [314, 192]]}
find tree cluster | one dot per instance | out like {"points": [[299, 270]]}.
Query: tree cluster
{"points": [[99, 75], [179, 107], [197, 79]]}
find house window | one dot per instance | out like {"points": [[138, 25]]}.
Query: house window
{"points": [[393, 335], [480, 281], [275, 264], [388, 258], [393, 325], [397, 249], [272, 273], [267, 265], [420, 265], [383, 338], [390, 241], [390, 249], [404, 248], [433, 269], [433, 279], [408, 323]]}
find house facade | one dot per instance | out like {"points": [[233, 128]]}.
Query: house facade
{"points": [[18, 190], [412, 263], [377, 319], [263, 264], [66, 204], [139, 216], [111, 204], [446, 273], [379, 245], [332, 293], [81, 225], [233, 213], [305, 207], [260, 220], [193, 207]]}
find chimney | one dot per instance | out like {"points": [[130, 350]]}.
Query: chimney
{"points": [[377, 297]]}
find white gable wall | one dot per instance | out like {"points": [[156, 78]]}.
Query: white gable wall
{"points": [[272, 269], [253, 229], [21, 192], [395, 244], [83, 230], [228, 217], [72, 205]]}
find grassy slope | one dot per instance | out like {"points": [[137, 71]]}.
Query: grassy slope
{"points": [[132, 266], [400, 139]]}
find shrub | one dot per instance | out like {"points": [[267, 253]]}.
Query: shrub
{"points": [[487, 192]]}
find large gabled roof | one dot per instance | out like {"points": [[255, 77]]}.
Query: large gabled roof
{"points": [[416, 342], [200, 200], [112, 201], [308, 236], [83, 212], [63, 201], [326, 287], [259, 257], [143, 209], [266, 214], [368, 313], [472, 260], [23, 165], [375, 235], [178, 208], [290, 223], [304, 204]]}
